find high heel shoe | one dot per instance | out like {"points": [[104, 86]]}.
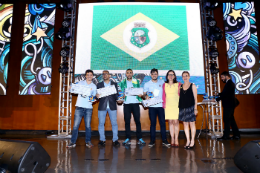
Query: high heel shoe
{"points": [[191, 147], [172, 144], [176, 145], [187, 146]]}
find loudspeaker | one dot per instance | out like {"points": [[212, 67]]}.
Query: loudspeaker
{"points": [[23, 157], [248, 157]]}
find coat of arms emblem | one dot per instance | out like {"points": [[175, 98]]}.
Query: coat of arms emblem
{"points": [[140, 36]]}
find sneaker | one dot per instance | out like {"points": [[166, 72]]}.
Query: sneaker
{"points": [[89, 144], [71, 145], [127, 142], [102, 143], [166, 143], [151, 144], [116, 143], [141, 142]]}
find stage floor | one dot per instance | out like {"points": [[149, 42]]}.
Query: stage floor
{"points": [[208, 156]]}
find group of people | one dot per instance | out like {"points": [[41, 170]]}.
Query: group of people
{"points": [[179, 104]]}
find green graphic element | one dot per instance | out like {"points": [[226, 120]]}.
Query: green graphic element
{"points": [[140, 37], [105, 55]]}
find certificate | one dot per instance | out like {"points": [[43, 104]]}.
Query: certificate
{"points": [[80, 89], [152, 101], [134, 91], [106, 91]]}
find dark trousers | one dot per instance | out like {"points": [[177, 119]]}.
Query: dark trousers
{"points": [[128, 109], [229, 120], [153, 112]]}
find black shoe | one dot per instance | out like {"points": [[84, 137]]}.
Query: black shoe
{"points": [[116, 143], [190, 147], [186, 146], [235, 137], [166, 143], [102, 143], [223, 138], [151, 144]]}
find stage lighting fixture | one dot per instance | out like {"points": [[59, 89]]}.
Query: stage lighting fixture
{"points": [[64, 68], [65, 51], [211, 21], [66, 23], [63, 34], [210, 4], [214, 53], [214, 33], [213, 68], [66, 5]]}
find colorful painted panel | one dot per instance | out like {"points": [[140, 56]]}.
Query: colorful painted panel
{"points": [[36, 65], [242, 46], [6, 18]]}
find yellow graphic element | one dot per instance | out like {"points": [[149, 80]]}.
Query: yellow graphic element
{"points": [[40, 33], [236, 13], [115, 36], [6, 15], [134, 81]]}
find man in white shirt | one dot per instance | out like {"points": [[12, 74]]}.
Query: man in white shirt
{"points": [[84, 109]]}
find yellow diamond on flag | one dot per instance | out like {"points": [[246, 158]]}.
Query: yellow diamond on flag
{"points": [[129, 36]]}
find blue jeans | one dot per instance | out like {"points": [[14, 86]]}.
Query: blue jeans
{"points": [[79, 113], [102, 120], [153, 112]]}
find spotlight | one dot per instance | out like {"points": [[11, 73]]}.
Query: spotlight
{"points": [[63, 34], [210, 4], [211, 21], [66, 5], [214, 33], [213, 53], [213, 68], [66, 23], [65, 51], [64, 68]]}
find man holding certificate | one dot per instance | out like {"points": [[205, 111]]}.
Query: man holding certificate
{"points": [[84, 109], [107, 104], [154, 87], [131, 104]]}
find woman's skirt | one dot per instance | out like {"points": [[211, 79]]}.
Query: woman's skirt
{"points": [[187, 114]]}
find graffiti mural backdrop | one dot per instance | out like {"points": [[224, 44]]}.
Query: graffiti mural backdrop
{"points": [[37, 50], [242, 46], [6, 18]]}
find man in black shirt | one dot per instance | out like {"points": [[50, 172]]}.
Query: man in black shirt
{"points": [[228, 101]]}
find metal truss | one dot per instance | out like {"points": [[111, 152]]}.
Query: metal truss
{"points": [[65, 97], [212, 81]]}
